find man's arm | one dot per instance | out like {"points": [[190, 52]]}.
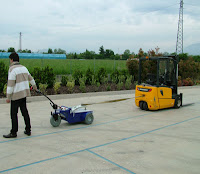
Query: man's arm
{"points": [[10, 85], [32, 81]]}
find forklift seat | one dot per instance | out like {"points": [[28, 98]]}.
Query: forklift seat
{"points": [[151, 79]]}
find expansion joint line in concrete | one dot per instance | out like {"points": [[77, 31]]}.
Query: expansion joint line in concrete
{"points": [[121, 167], [102, 145], [84, 127]]}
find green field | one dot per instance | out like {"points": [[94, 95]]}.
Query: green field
{"points": [[68, 66]]}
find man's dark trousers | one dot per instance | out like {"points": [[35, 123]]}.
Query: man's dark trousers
{"points": [[15, 105]]}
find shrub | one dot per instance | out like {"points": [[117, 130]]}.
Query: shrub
{"points": [[124, 72], [120, 85], [179, 83], [94, 81], [189, 68], [104, 80], [70, 83], [77, 75], [43, 87], [70, 86], [44, 76], [128, 82], [89, 73], [82, 84], [5, 89], [122, 78], [97, 86], [115, 76], [56, 87], [108, 88], [188, 82], [64, 81], [197, 82], [37, 75], [71, 79], [132, 66], [48, 76], [3, 76], [101, 74]]}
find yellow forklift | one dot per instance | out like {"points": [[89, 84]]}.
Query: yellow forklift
{"points": [[157, 83]]}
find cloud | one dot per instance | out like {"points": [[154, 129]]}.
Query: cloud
{"points": [[116, 24]]}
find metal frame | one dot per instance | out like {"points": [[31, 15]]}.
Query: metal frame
{"points": [[158, 59]]}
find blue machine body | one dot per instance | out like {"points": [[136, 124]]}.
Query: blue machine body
{"points": [[72, 115]]}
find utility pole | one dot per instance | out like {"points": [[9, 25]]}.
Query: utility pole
{"points": [[179, 42], [20, 41]]}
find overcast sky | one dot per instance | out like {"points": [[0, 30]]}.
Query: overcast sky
{"points": [[77, 25]]}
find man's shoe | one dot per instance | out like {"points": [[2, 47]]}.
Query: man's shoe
{"points": [[27, 133], [10, 135]]}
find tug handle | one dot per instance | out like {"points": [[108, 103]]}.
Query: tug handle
{"points": [[54, 106]]}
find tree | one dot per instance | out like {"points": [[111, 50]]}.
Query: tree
{"points": [[117, 57], [50, 51], [55, 51], [126, 54], [75, 56], [87, 55], [140, 53], [101, 51], [151, 53], [61, 51], [109, 53], [24, 51], [11, 49], [183, 56]]}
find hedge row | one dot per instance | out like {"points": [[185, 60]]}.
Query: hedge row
{"points": [[187, 69]]}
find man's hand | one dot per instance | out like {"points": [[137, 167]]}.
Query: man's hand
{"points": [[35, 88], [7, 101]]}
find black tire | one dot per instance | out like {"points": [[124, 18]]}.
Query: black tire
{"points": [[145, 106], [89, 118], [177, 103], [55, 121], [141, 105]]}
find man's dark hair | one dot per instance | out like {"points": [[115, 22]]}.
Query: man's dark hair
{"points": [[14, 56]]}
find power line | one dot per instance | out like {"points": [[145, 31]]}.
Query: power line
{"points": [[161, 9], [195, 5]]}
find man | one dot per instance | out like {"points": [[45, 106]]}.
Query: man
{"points": [[17, 91]]}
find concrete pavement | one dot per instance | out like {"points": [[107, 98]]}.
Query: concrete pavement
{"points": [[122, 139]]}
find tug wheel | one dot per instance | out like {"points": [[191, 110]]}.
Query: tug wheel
{"points": [[55, 120], [89, 118]]}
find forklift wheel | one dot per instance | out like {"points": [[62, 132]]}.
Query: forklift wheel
{"points": [[89, 118], [55, 122], [141, 105], [177, 102], [145, 106]]}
